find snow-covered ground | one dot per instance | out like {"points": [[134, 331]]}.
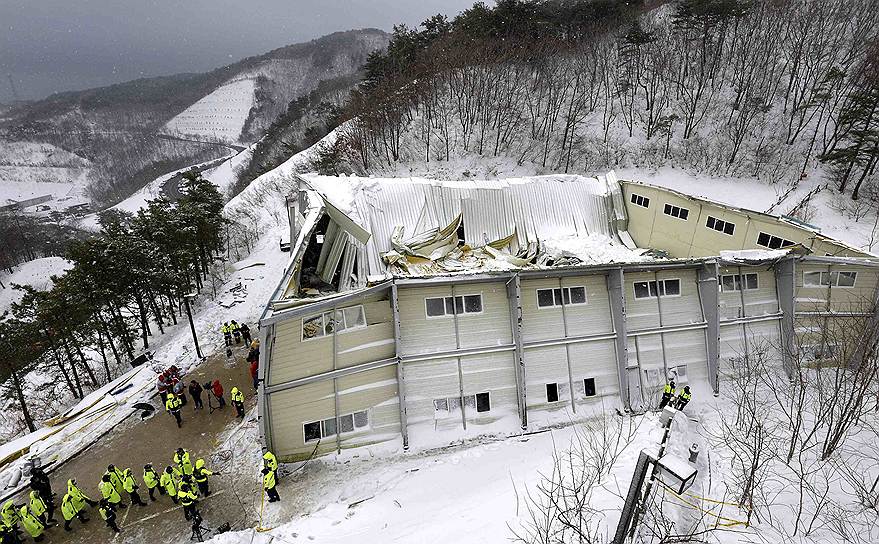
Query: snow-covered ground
{"points": [[219, 116], [30, 170], [225, 175], [37, 273]]}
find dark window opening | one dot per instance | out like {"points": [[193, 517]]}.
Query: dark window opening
{"points": [[460, 231], [589, 387], [552, 392], [483, 402], [312, 431]]}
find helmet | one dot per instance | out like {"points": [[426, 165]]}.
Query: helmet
{"points": [[169, 470], [687, 388], [111, 467], [148, 466], [105, 478], [180, 451], [199, 463]]}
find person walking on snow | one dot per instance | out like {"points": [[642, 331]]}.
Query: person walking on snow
{"points": [[32, 524], [668, 393], [131, 487], [269, 461], [227, 333], [9, 515], [109, 514], [238, 401], [169, 485], [151, 480], [181, 458], [236, 331], [172, 405], [79, 498], [254, 373], [116, 476], [245, 333], [217, 388], [41, 484], [109, 493], [269, 483], [683, 398], [188, 499], [69, 511], [195, 390], [200, 474], [38, 507]]}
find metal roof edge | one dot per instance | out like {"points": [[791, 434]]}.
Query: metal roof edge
{"points": [[297, 307]]}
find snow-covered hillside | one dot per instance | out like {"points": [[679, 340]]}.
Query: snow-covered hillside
{"points": [[30, 170], [37, 273], [219, 116]]}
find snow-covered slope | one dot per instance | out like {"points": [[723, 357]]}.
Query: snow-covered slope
{"points": [[29, 170], [219, 116], [37, 273]]}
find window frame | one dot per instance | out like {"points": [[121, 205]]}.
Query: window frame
{"points": [[554, 385], [668, 209], [323, 321], [656, 288], [562, 290], [833, 279], [724, 222], [640, 200], [586, 388], [338, 424], [463, 312], [783, 241], [741, 284]]}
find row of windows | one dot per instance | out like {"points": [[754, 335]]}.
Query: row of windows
{"points": [[661, 288], [639, 200], [317, 430], [444, 407], [738, 282], [720, 225], [554, 391], [676, 211], [326, 323], [442, 306], [548, 298], [772, 242], [829, 279]]}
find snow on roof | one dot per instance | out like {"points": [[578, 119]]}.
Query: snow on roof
{"points": [[565, 217], [753, 255]]}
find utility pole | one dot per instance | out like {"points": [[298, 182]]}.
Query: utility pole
{"points": [[186, 299]]}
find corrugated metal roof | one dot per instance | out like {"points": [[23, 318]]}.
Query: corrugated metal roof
{"points": [[534, 208]]}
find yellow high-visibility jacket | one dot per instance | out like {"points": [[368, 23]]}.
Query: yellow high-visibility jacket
{"points": [[168, 484]]}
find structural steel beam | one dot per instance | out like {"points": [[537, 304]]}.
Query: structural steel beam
{"points": [[710, 300], [401, 378], [266, 340], [785, 281], [617, 296], [514, 297]]}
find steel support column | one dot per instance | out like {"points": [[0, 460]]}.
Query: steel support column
{"points": [[785, 281], [401, 383], [514, 298], [710, 301], [617, 297]]}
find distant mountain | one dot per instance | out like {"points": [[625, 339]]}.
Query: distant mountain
{"points": [[119, 128]]}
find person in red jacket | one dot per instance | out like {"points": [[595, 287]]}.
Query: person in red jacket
{"points": [[254, 373], [217, 388]]}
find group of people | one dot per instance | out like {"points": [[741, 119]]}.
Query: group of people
{"points": [[172, 391], [183, 481], [668, 396], [238, 331]]}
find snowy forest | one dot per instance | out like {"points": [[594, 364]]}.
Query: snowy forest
{"points": [[125, 280], [773, 90]]}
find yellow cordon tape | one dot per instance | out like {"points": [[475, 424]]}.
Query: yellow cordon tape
{"points": [[730, 522]]}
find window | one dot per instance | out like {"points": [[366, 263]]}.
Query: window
{"points": [[661, 288], [589, 387], [466, 304], [548, 298], [738, 282], [341, 320], [483, 402], [676, 211], [642, 201], [681, 373], [552, 392], [317, 430], [772, 242], [829, 279], [720, 225]]}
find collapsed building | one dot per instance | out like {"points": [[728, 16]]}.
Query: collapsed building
{"points": [[416, 309]]}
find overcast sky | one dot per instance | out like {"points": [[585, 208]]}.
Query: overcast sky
{"points": [[56, 45]]}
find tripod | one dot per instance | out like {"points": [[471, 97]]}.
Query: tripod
{"points": [[210, 395], [199, 531]]}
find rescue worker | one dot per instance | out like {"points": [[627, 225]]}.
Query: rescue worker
{"points": [[131, 487], [187, 498], [169, 484], [270, 461], [40, 483], [109, 493], [79, 498], [269, 483], [151, 480], [245, 333], [227, 333], [236, 331], [172, 405], [69, 510], [668, 392], [254, 373], [38, 507], [200, 475], [9, 515], [684, 398], [116, 477], [109, 514], [32, 524], [181, 458], [238, 401]]}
